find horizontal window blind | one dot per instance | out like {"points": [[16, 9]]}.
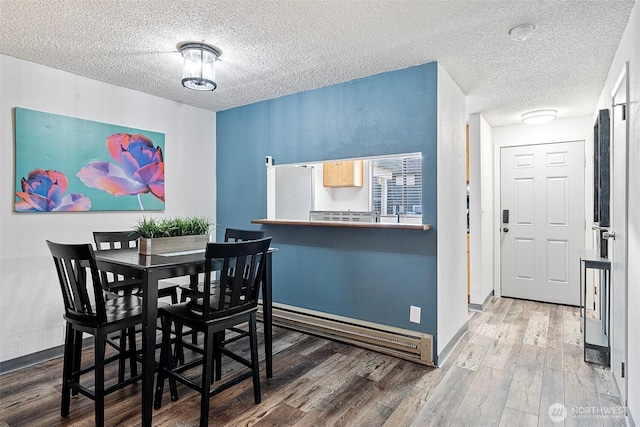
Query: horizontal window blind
{"points": [[396, 185]]}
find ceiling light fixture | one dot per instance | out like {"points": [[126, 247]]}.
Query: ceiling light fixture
{"points": [[539, 116], [521, 32], [198, 70]]}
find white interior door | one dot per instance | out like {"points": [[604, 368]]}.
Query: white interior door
{"points": [[542, 188], [618, 243]]}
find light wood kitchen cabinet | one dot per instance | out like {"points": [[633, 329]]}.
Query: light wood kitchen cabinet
{"points": [[345, 173]]}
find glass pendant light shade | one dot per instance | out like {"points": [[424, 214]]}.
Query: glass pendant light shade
{"points": [[198, 71]]}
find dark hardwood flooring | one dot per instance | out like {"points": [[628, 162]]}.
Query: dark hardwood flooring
{"points": [[517, 360]]}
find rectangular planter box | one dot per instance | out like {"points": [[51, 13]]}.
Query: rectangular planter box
{"points": [[161, 245]]}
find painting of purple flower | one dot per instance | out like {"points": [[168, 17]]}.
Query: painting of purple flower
{"points": [[139, 168], [43, 191]]}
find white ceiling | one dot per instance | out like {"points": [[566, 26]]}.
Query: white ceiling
{"points": [[272, 48]]}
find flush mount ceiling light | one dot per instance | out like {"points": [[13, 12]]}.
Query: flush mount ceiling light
{"points": [[539, 116], [521, 32], [198, 70]]}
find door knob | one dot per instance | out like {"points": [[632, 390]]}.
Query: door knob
{"points": [[609, 235], [506, 229]]}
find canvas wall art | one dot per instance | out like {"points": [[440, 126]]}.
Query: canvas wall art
{"points": [[65, 164]]}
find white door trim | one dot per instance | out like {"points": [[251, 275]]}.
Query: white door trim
{"points": [[624, 340]]}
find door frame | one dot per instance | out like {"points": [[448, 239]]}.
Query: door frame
{"points": [[624, 340]]}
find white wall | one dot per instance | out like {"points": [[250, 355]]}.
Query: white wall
{"points": [[341, 199], [30, 300], [628, 51], [573, 129], [452, 194], [481, 213]]}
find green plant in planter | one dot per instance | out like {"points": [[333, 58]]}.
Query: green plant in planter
{"points": [[169, 227]]}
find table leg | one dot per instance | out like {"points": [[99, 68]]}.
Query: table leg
{"points": [[266, 315], [149, 317]]}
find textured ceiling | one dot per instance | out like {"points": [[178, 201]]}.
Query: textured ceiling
{"points": [[274, 48]]}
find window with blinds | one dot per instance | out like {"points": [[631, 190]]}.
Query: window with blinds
{"points": [[396, 184]]}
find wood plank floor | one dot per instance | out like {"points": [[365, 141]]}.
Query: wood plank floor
{"points": [[518, 360]]}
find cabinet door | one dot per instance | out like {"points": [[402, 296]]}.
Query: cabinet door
{"points": [[342, 174], [331, 174]]}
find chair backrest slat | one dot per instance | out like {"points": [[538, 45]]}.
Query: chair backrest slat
{"points": [[79, 279]]}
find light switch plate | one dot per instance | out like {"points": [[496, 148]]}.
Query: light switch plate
{"points": [[414, 314]]}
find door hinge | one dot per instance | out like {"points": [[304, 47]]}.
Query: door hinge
{"points": [[622, 370], [595, 290], [624, 110]]}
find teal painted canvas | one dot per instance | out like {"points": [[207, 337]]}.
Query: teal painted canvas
{"points": [[65, 164]]}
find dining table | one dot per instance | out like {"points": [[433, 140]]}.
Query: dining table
{"points": [[152, 268]]}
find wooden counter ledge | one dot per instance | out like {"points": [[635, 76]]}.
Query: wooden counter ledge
{"points": [[391, 225]]}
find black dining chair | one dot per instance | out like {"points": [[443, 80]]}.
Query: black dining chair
{"points": [[239, 268], [194, 290], [88, 311], [119, 284], [110, 240]]}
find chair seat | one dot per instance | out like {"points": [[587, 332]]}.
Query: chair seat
{"points": [[190, 313], [186, 291], [127, 306], [117, 310], [131, 285], [134, 286]]}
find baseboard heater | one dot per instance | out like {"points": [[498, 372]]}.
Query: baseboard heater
{"points": [[402, 343]]}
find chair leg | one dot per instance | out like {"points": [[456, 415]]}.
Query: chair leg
{"points": [[217, 355], [166, 363], [77, 359], [99, 347], [121, 360], [254, 358], [133, 362], [171, 361], [206, 377], [67, 368], [178, 349]]}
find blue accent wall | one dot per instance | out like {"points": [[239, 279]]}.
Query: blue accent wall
{"points": [[367, 274]]}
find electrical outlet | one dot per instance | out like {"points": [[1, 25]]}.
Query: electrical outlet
{"points": [[414, 314]]}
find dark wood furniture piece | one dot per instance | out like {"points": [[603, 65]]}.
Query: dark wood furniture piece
{"points": [[80, 282], [120, 284], [237, 268], [194, 289], [152, 268]]}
